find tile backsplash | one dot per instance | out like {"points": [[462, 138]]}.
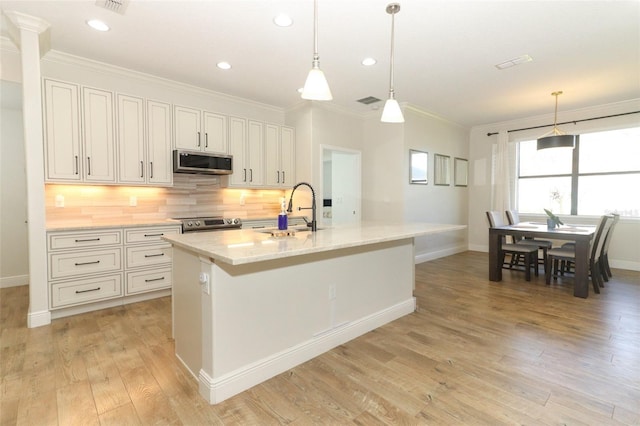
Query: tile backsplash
{"points": [[191, 195]]}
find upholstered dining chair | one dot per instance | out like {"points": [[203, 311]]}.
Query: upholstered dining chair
{"points": [[513, 217], [567, 253], [528, 252]]}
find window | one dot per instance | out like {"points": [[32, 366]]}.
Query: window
{"points": [[600, 175]]}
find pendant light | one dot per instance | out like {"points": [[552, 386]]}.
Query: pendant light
{"points": [[392, 112], [316, 87], [556, 138]]}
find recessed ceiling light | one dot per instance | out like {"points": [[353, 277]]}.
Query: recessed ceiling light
{"points": [[98, 25], [224, 65], [283, 20], [515, 61], [368, 62]]}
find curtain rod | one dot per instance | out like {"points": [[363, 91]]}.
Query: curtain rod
{"points": [[566, 122]]}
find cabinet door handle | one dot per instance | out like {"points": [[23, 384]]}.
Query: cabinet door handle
{"points": [[151, 171], [283, 180], [86, 291], [141, 169], [87, 263], [244, 175], [278, 181], [87, 240], [198, 138], [154, 235], [154, 255], [77, 168], [154, 279], [250, 175], [88, 166], [206, 140]]}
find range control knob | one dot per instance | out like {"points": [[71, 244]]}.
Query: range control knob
{"points": [[229, 221], [189, 223], [197, 223], [236, 221]]}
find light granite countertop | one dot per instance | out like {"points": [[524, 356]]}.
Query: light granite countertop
{"points": [[84, 225], [248, 246]]}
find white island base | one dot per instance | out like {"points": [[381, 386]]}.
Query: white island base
{"points": [[261, 319]]}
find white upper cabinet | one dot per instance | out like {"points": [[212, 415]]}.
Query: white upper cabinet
{"points": [[254, 154], [279, 156], [160, 163], [62, 132], [99, 146], [144, 141], [131, 146], [79, 143], [237, 147], [198, 130]]}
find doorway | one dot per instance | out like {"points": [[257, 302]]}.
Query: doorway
{"points": [[341, 186]]}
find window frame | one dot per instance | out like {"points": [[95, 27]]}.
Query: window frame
{"points": [[574, 175]]}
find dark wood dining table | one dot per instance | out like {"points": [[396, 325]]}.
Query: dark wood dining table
{"points": [[580, 234]]}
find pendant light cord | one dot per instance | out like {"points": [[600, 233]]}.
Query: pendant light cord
{"points": [[316, 57], [391, 90]]}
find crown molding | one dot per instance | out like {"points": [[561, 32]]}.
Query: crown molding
{"points": [[27, 22], [55, 56], [7, 44]]}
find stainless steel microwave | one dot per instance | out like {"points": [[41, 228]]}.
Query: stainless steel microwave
{"points": [[202, 162]]}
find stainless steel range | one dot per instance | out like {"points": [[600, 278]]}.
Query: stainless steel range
{"points": [[192, 224]]}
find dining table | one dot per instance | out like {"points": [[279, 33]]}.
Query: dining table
{"points": [[581, 235]]}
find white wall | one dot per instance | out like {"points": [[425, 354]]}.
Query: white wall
{"points": [[387, 194], [624, 251], [14, 265]]}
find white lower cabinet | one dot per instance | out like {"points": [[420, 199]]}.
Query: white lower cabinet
{"points": [[106, 264], [69, 293], [143, 281]]}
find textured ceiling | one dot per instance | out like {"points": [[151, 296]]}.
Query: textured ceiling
{"points": [[445, 54]]}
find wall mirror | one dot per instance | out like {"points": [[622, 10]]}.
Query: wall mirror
{"points": [[441, 170], [418, 166], [460, 171]]}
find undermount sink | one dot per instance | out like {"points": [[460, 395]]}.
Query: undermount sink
{"points": [[296, 229]]}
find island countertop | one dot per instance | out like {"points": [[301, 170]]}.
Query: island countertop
{"points": [[237, 247]]}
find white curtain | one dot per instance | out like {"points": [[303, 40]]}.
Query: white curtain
{"points": [[503, 179]]}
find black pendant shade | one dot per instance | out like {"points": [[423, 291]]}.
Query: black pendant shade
{"points": [[556, 141], [555, 138]]}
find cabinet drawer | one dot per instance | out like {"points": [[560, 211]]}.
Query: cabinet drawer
{"points": [[64, 265], [148, 255], [88, 290], [69, 240], [141, 281], [149, 234]]}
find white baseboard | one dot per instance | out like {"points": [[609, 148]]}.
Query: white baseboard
{"points": [[425, 257], [624, 264], [15, 281], [228, 385], [38, 319]]}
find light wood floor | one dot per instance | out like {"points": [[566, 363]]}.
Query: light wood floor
{"points": [[476, 352]]}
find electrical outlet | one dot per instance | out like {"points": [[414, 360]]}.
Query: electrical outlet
{"points": [[133, 201], [242, 199], [59, 200], [205, 283]]}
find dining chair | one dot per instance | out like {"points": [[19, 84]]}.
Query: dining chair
{"points": [[513, 218], [528, 252], [567, 253], [604, 263]]}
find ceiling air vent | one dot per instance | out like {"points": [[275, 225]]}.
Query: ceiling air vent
{"points": [[369, 100], [118, 6]]}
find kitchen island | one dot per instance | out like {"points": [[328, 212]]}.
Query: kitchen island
{"points": [[248, 305]]}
